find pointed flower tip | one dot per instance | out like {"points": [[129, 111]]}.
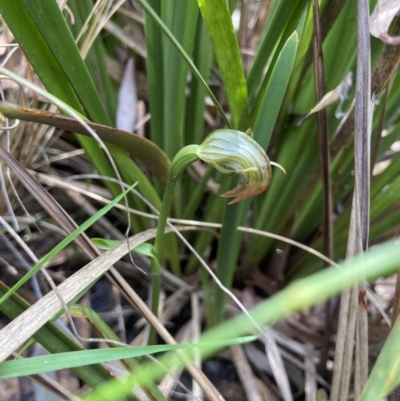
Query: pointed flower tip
{"points": [[279, 166], [234, 152]]}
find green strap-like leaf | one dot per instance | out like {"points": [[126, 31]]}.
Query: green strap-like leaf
{"points": [[59, 39], [281, 16], [183, 25], [46, 363], [154, 73], [57, 249], [300, 295], [53, 339], [219, 25], [47, 45], [36, 49], [139, 147], [271, 103]]}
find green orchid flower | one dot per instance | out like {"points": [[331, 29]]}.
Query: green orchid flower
{"points": [[230, 152], [234, 152]]}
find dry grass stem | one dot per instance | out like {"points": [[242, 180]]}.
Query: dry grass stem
{"points": [[245, 373]]}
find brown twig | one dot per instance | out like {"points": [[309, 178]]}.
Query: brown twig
{"points": [[384, 69], [353, 308], [362, 154], [319, 84]]}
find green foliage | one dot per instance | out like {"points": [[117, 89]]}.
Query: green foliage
{"points": [[190, 46], [67, 240], [48, 363], [296, 297], [52, 338], [219, 25]]}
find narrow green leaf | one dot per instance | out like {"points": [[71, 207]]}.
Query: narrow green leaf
{"points": [[156, 18], [143, 249], [67, 240], [183, 27], [53, 339], [33, 44], [228, 252], [271, 103], [66, 360], [154, 66], [218, 20], [46, 363], [385, 375], [139, 147], [300, 295], [47, 14], [281, 16], [195, 123], [104, 243], [96, 59], [202, 57], [95, 320]]}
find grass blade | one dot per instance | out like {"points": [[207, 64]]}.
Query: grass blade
{"points": [[17, 332], [300, 295], [139, 147], [152, 14], [47, 14], [154, 65], [385, 375], [271, 102], [218, 19], [53, 339], [277, 24], [65, 360], [183, 26], [66, 241]]}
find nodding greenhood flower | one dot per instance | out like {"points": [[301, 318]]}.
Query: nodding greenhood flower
{"points": [[234, 152], [230, 152]]}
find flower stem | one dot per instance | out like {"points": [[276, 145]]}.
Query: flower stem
{"points": [[182, 159]]}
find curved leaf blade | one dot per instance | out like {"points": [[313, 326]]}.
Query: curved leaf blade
{"points": [[48, 14], [275, 91], [139, 147], [53, 339], [226, 49]]}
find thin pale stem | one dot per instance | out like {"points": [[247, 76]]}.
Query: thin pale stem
{"points": [[182, 159], [325, 165], [156, 262]]}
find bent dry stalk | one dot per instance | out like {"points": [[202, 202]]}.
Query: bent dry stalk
{"points": [[230, 152]]}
